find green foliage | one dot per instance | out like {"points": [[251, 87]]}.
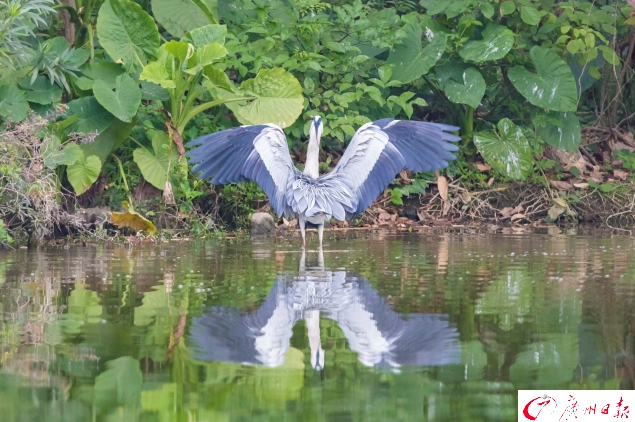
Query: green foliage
{"points": [[155, 164]]}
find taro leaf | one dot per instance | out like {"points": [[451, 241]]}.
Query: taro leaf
{"points": [[83, 173], [204, 56], [13, 104], [156, 73], [132, 219], [124, 102], [216, 78], [53, 156], [496, 43], [462, 86], [530, 15], [91, 116], [108, 140], [152, 91], [434, 7], [119, 386], [507, 151], [565, 136], [179, 49], [206, 35], [41, 91], [154, 164], [99, 70], [409, 60], [552, 86], [278, 99], [181, 16], [127, 33]]}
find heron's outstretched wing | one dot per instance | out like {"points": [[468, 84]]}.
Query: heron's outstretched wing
{"points": [[225, 334], [383, 337], [259, 153], [379, 150]]}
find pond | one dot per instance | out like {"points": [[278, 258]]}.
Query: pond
{"points": [[379, 327]]}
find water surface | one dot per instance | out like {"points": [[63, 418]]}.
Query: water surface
{"points": [[380, 327]]}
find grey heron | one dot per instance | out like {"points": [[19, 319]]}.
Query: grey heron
{"points": [[379, 335], [377, 152]]}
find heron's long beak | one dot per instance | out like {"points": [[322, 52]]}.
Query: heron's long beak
{"points": [[313, 326]]}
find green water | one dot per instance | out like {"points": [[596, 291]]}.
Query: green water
{"points": [[148, 333]]}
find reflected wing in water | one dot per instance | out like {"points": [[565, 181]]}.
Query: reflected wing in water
{"points": [[383, 337], [225, 334]]}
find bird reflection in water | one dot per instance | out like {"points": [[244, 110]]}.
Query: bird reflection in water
{"points": [[379, 335]]}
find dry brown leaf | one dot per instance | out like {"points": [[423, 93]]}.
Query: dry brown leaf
{"points": [[581, 185], [446, 208], [132, 219], [596, 176], [507, 212], [620, 174], [490, 182], [555, 211], [404, 177], [483, 167], [519, 217], [560, 184], [384, 216], [442, 184], [561, 202]]}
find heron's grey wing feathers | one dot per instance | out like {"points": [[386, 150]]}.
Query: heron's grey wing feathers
{"points": [[262, 337], [258, 152], [379, 150], [330, 194], [382, 336]]}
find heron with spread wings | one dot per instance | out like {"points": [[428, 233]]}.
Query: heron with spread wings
{"points": [[377, 152]]}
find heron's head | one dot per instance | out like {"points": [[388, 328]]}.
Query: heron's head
{"points": [[317, 127], [317, 358]]}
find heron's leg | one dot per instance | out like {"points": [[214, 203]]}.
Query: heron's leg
{"points": [[302, 227], [320, 233]]}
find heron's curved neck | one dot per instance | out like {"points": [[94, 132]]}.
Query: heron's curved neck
{"points": [[312, 165]]}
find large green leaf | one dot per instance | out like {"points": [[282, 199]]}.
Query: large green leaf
{"points": [[53, 156], [564, 133], [156, 73], [83, 173], [552, 86], [496, 43], [409, 60], [507, 151], [119, 385], [152, 91], [204, 56], [462, 86], [216, 78], [124, 102], [108, 140], [434, 7], [91, 116], [13, 104], [127, 33], [154, 164], [530, 15], [278, 99], [181, 16], [41, 91], [104, 71], [206, 35]]}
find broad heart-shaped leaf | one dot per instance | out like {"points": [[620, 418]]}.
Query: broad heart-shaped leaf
{"points": [[108, 140], [181, 16], [508, 151], [127, 33], [154, 165], [152, 91], [104, 71], [206, 35], [13, 104], [204, 56], [83, 173], [132, 219], [565, 136], [179, 49], [156, 73], [278, 99], [119, 385], [496, 43], [124, 102], [462, 86], [42, 91], [53, 156], [92, 117], [530, 15], [552, 86], [216, 78], [409, 60]]}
